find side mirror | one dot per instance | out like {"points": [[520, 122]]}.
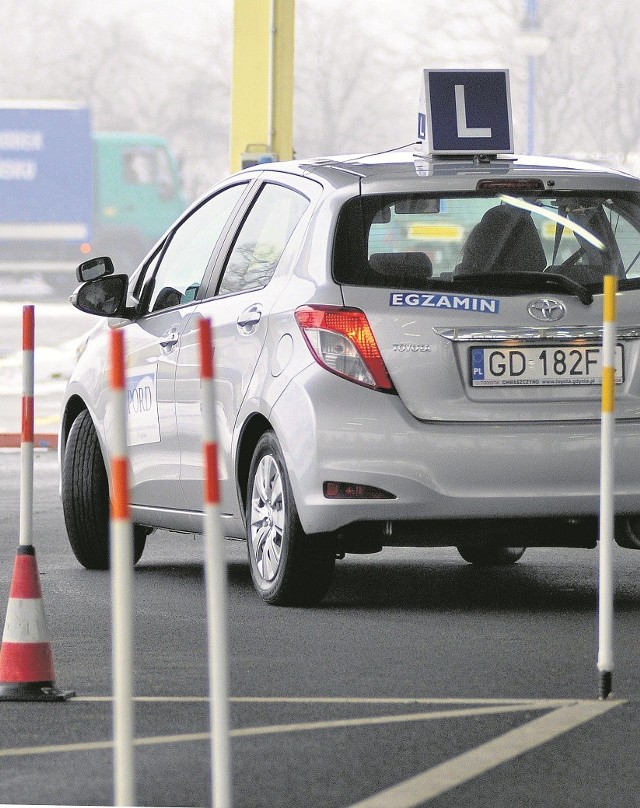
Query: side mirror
{"points": [[94, 268], [103, 296]]}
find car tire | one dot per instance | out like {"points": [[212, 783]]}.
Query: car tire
{"points": [[85, 498], [491, 556], [288, 567]]}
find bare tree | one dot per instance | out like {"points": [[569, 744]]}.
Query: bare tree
{"points": [[589, 79], [358, 68], [130, 82], [344, 78]]}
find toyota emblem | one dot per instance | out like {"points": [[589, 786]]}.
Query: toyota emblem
{"points": [[547, 309]]}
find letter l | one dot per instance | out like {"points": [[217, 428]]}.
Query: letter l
{"points": [[461, 117]]}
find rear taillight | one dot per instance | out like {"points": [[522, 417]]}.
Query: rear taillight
{"points": [[341, 340]]}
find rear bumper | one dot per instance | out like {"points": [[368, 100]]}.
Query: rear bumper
{"points": [[540, 531], [439, 470]]}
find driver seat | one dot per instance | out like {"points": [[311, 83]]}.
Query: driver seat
{"points": [[504, 240]]}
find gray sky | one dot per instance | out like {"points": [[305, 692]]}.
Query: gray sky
{"points": [[358, 67]]}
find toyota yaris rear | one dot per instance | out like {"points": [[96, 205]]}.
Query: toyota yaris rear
{"points": [[408, 353]]}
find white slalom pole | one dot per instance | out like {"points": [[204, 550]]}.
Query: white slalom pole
{"points": [[26, 442], [216, 586], [607, 511], [121, 549]]}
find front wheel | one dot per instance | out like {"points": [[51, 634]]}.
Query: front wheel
{"points": [[85, 498], [491, 556], [288, 566]]}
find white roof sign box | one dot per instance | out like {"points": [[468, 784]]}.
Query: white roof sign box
{"points": [[465, 112]]}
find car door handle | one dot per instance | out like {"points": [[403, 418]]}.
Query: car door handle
{"points": [[169, 339], [249, 319]]}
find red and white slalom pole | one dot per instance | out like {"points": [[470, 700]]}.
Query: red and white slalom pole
{"points": [[26, 659], [26, 444], [121, 550], [216, 583], [607, 510]]}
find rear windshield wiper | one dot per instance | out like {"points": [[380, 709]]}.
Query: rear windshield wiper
{"points": [[537, 281]]}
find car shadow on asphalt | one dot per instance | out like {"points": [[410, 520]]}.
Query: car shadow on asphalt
{"points": [[238, 575], [438, 585], [535, 584]]}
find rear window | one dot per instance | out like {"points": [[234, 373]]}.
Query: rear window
{"points": [[418, 241]]}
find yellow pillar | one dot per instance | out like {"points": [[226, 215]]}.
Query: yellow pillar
{"points": [[262, 83], [282, 93]]}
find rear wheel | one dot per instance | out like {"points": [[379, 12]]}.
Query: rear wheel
{"points": [[288, 566], [491, 556], [85, 498]]}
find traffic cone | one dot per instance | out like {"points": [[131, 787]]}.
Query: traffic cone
{"points": [[26, 661]]}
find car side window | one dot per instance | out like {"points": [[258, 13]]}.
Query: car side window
{"points": [[262, 238], [184, 261]]}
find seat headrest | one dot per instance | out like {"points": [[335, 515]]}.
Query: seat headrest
{"points": [[504, 240], [409, 268]]}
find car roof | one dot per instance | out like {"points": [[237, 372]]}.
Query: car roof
{"points": [[410, 171]]}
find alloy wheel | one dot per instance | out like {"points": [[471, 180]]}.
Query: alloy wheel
{"points": [[267, 518]]}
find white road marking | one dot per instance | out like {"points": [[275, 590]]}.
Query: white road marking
{"points": [[417, 790], [540, 703], [564, 716], [272, 729], [380, 700], [21, 751], [434, 715]]}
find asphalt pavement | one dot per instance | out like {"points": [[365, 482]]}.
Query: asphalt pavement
{"points": [[421, 680]]}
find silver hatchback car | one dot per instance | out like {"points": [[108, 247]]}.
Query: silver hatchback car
{"points": [[407, 353]]}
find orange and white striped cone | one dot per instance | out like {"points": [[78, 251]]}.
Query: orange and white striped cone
{"points": [[26, 660]]}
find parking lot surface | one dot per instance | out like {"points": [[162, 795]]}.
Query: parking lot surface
{"points": [[421, 674]]}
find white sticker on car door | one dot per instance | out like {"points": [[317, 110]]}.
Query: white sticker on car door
{"points": [[143, 425]]}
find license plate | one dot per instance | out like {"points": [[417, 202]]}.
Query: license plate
{"points": [[537, 366]]}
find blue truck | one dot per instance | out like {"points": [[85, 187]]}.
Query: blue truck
{"points": [[68, 193]]}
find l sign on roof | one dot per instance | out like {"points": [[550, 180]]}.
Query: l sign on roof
{"points": [[465, 112]]}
